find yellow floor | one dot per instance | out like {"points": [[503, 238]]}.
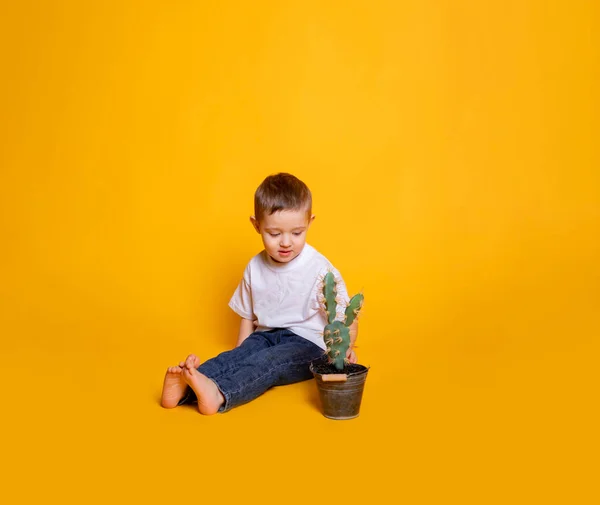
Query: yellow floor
{"points": [[82, 424]]}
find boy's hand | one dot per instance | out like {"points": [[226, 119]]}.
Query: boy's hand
{"points": [[351, 356]]}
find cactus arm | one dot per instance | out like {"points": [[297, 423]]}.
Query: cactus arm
{"points": [[329, 292], [353, 308]]}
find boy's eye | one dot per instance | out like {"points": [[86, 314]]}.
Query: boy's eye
{"points": [[297, 233], [274, 234]]}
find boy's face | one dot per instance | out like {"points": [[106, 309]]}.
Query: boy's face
{"points": [[283, 233]]}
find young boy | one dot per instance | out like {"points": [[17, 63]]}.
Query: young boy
{"points": [[279, 294]]}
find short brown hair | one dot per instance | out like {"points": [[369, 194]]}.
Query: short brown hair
{"points": [[281, 192]]}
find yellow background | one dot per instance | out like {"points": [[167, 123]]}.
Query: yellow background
{"points": [[451, 147]]}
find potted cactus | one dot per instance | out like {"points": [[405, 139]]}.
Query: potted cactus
{"points": [[339, 382]]}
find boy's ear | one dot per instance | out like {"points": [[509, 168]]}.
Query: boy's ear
{"points": [[254, 222], [312, 218]]}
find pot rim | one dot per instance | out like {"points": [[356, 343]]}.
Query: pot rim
{"points": [[365, 369]]}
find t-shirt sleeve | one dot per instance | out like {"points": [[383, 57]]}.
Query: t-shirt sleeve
{"points": [[342, 295], [241, 301]]}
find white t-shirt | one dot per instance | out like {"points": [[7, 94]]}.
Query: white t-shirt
{"points": [[285, 295]]}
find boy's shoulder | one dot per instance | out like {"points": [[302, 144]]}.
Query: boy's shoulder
{"points": [[318, 264], [317, 258]]}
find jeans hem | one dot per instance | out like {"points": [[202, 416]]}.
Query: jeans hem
{"points": [[226, 398]]}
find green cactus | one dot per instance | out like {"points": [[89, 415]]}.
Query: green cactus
{"points": [[337, 334]]}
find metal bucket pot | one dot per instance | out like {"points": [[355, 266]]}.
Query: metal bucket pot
{"points": [[341, 394]]}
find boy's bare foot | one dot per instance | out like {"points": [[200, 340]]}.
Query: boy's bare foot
{"points": [[192, 361], [174, 386], [208, 394]]}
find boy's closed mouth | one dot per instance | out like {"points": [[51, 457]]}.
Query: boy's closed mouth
{"points": [[284, 253]]}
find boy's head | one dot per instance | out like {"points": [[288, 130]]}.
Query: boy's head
{"points": [[282, 215]]}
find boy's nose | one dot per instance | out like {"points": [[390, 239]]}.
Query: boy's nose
{"points": [[285, 242]]}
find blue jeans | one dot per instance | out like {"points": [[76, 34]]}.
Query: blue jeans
{"points": [[265, 359]]}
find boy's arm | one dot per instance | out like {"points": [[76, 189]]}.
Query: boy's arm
{"points": [[246, 328], [350, 354], [353, 329]]}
